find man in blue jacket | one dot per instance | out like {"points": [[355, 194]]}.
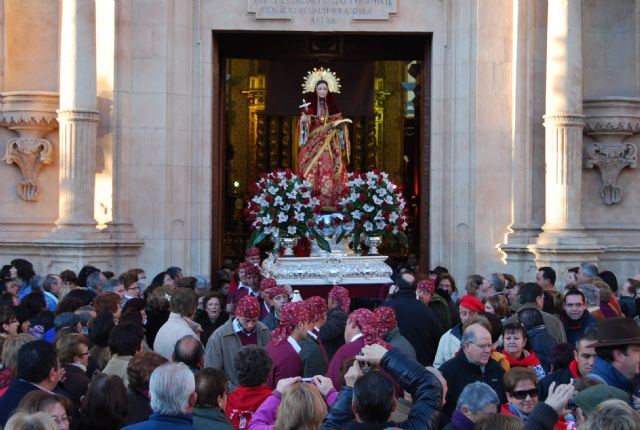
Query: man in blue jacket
{"points": [[172, 389]]}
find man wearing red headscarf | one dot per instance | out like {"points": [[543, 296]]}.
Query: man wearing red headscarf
{"points": [[284, 348], [249, 276], [314, 357], [387, 328], [277, 296], [355, 341], [331, 334], [243, 329], [266, 307], [251, 256]]}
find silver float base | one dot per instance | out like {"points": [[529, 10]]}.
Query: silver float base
{"points": [[328, 269]]}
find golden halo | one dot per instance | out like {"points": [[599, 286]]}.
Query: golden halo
{"points": [[321, 74]]}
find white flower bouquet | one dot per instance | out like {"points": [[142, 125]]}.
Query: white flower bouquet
{"points": [[283, 205], [373, 206]]}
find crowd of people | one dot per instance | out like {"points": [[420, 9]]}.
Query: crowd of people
{"points": [[92, 350]]}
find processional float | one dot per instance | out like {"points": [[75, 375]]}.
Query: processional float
{"points": [[336, 211]]}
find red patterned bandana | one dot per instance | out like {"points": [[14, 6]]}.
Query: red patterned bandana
{"points": [[267, 283], [273, 292], [362, 317], [371, 336], [317, 308], [248, 307], [385, 320], [249, 269], [426, 285], [293, 313], [252, 252], [341, 295]]}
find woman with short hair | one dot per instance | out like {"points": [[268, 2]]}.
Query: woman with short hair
{"points": [[139, 372], [521, 390], [73, 351], [211, 388], [9, 358], [105, 405], [57, 407], [514, 339], [294, 405], [211, 316], [25, 421]]}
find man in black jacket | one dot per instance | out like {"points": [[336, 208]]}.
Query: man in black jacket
{"points": [[581, 366], [575, 317], [473, 363], [368, 399], [418, 323], [331, 333], [38, 369]]}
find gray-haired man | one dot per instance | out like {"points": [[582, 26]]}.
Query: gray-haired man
{"points": [[172, 389], [476, 401]]}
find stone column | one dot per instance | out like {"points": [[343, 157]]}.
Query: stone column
{"points": [[563, 242], [78, 119], [563, 120]]}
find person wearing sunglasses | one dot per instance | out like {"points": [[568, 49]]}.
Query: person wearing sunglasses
{"points": [[522, 393], [522, 396]]}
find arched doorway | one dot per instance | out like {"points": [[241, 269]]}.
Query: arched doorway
{"points": [[248, 138]]}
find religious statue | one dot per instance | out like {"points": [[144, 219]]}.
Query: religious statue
{"points": [[324, 138]]}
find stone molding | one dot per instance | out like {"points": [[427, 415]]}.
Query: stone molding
{"points": [[52, 256], [78, 115], [31, 114], [564, 120], [609, 122], [29, 109], [619, 115]]}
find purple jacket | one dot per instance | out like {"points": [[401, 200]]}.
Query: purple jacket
{"points": [[265, 416]]}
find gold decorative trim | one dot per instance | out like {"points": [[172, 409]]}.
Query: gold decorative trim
{"points": [[321, 74]]}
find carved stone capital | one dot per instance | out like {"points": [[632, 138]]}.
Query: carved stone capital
{"points": [[609, 122], [30, 155]]}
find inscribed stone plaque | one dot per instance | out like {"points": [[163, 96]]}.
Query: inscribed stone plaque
{"points": [[321, 12]]}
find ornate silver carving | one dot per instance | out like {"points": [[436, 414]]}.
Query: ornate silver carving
{"points": [[373, 242], [288, 243], [609, 122], [328, 270], [30, 154]]}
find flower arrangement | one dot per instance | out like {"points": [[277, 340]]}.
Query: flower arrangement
{"points": [[283, 205], [374, 206]]}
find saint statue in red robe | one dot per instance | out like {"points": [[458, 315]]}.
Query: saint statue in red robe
{"points": [[324, 139]]}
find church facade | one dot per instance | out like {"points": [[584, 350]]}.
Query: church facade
{"points": [[111, 111]]}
